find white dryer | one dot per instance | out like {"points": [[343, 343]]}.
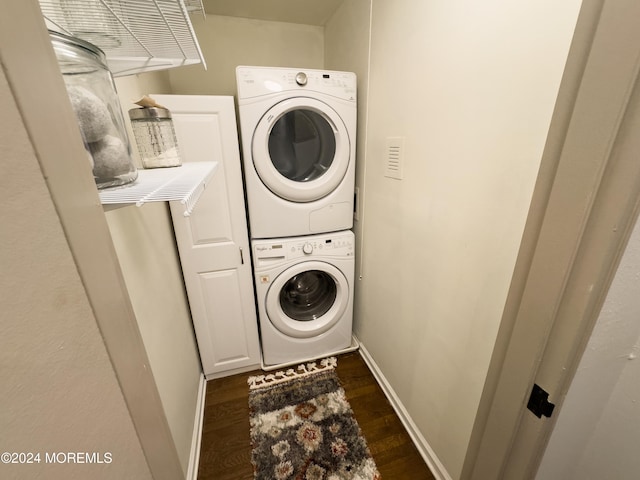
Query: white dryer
{"points": [[304, 290], [298, 130]]}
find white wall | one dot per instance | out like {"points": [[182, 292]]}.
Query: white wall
{"points": [[145, 245], [227, 42], [346, 48], [59, 390], [471, 87], [597, 432]]}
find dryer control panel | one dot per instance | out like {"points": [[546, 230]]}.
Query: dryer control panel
{"points": [[259, 81], [269, 252]]}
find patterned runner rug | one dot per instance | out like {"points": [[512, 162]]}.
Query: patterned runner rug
{"points": [[303, 428]]}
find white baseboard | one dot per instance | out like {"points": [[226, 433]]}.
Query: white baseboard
{"points": [[427, 453], [194, 457]]}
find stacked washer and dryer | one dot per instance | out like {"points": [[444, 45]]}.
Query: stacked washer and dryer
{"points": [[298, 130]]}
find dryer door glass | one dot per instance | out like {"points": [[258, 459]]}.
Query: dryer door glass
{"points": [[308, 295], [302, 145], [301, 149]]}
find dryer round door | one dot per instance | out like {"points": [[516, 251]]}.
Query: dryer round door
{"points": [[307, 299], [301, 149]]}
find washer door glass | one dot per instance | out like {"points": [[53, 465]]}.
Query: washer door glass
{"points": [[308, 295], [307, 299], [301, 149]]}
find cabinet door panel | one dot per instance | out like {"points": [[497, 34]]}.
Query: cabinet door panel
{"points": [[211, 223], [213, 242], [222, 296]]}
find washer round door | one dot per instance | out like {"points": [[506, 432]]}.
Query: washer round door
{"points": [[307, 299], [301, 149]]}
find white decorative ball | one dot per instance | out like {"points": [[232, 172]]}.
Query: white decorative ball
{"points": [[111, 158], [93, 115]]}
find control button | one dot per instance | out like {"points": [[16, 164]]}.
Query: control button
{"points": [[307, 248], [301, 79]]}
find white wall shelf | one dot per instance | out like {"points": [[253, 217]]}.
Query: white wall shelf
{"points": [[136, 37], [184, 184]]}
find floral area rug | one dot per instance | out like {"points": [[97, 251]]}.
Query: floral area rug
{"points": [[303, 428]]}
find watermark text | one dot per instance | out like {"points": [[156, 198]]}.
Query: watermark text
{"points": [[56, 457]]}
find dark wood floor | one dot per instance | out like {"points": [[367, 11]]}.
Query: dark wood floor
{"points": [[226, 452]]}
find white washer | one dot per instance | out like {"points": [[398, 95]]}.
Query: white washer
{"points": [[298, 130], [304, 290]]}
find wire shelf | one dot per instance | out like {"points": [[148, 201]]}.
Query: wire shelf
{"points": [[184, 184], [135, 35]]}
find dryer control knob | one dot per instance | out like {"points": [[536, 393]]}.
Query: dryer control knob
{"points": [[307, 248], [301, 79]]}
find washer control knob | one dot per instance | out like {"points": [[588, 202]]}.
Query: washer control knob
{"points": [[301, 79], [307, 248]]}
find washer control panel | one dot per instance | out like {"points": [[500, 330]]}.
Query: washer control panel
{"points": [[267, 252], [259, 81]]}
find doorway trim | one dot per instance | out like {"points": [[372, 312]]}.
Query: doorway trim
{"points": [[584, 206]]}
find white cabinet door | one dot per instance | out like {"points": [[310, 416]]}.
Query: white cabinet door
{"points": [[213, 242]]}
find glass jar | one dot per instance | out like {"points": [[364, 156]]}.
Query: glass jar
{"points": [[94, 99], [155, 136]]}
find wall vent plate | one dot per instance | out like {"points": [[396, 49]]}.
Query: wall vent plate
{"points": [[394, 160]]}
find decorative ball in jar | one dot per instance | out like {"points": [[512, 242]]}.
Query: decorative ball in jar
{"points": [[93, 96]]}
